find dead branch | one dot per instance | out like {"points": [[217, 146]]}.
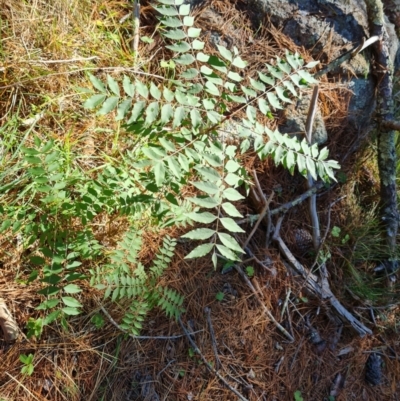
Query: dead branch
{"points": [[213, 340], [318, 286], [391, 125], [260, 218], [286, 206]]}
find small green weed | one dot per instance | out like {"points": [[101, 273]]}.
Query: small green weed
{"points": [[28, 367], [219, 296], [250, 271], [98, 320], [297, 396]]}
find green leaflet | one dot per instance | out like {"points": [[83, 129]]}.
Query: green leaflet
{"points": [[69, 301], [94, 101], [198, 45], [152, 113], [230, 210], [128, 86], [109, 105], [142, 89], [231, 225], [208, 202], [97, 83], [180, 47], [200, 251], [230, 242], [188, 21], [154, 91], [179, 115], [113, 85], [232, 166], [167, 145], [232, 195], [172, 22], [166, 113], [228, 253], [204, 217], [123, 109], [208, 187], [167, 11], [137, 111], [225, 53], [194, 32], [199, 234], [176, 34]]}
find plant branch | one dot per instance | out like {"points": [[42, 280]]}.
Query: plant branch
{"points": [[114, 323], [310, 182], [116, 69]]}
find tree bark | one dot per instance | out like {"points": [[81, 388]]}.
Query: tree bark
{"points": [[387, 159]]}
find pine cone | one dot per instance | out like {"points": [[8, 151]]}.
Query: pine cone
{"points": [[373, 372], [303, 240]]}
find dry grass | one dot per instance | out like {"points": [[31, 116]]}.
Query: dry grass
{"points": [[46, 49]]}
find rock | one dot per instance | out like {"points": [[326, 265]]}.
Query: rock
{"points": [[296, 117], [329, 28], [362, 102], [313, 23]]}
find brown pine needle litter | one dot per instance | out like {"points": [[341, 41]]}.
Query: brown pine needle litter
{"points": [[46, 49]]}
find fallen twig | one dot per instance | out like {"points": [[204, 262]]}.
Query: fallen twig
{"points": [[71, 60], [319, 286], [213, 341], [207, 364], [286, 206], [391, 125]]}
